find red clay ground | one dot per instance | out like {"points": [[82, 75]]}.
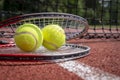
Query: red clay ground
{"points": [[104, 55]]}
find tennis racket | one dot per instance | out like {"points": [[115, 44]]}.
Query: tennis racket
{"points": [[74, 26]]}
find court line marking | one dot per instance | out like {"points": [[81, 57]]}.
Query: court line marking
{"points": [[87, 72]]}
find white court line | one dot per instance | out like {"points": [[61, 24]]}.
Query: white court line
{"points": [[87, 72]]}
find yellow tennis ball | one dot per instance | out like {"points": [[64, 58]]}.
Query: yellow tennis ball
{"points": [[54, 37], [28, 37]]}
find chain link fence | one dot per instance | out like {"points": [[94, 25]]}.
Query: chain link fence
{"points": [[103, 16]]}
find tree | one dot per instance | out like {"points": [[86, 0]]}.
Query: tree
{"points": [[21, 5], [1, 4], [114, 11], [80, 7], [92, 11]]}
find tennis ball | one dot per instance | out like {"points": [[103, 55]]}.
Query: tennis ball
{"points": [[54, 37], [28, 37]]}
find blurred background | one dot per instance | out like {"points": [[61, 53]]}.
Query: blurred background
{"points": [[99, 13]]}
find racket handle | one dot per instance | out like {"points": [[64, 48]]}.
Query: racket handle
{"points": [[4, 42]]}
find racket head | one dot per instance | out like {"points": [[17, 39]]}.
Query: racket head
{"points": [[74, 26], [66, 52]]}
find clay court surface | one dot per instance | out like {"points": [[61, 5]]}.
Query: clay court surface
{"points": [[103, 63]]}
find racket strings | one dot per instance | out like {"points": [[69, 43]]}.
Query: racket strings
{"points": [[72, 27], [67, 52]]}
